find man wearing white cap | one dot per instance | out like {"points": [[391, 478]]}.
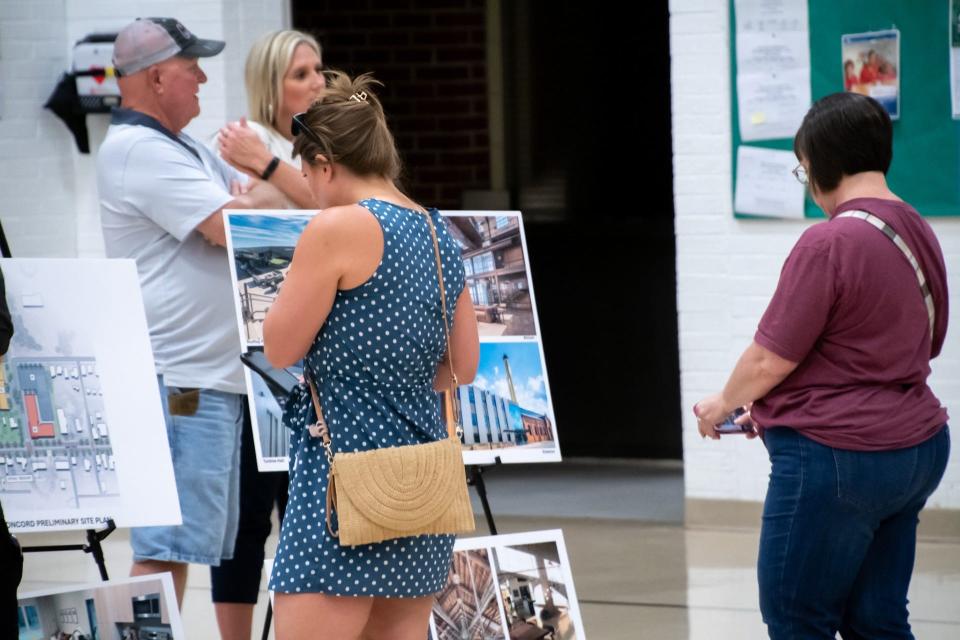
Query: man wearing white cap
{"points": [[161, 197]]}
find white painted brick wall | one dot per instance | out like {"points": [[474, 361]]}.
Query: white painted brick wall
{"points": [[36, 169], [48, 199], [727, 268]]}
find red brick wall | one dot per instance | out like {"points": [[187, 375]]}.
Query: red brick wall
{"points": [[431, 55]]}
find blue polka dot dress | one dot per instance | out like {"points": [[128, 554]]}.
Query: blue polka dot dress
{"points": [[374, 362]]}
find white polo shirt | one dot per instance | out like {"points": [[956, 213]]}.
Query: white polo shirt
{"points": [[154, 191]]}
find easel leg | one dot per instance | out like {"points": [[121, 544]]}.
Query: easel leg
{"points": [[267, 621], [94, 538], [93, 545], [476, 479]]}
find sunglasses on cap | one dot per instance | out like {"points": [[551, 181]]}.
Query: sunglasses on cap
{"points": [[299, 125]]}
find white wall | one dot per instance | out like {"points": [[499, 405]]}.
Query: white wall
{"points": [[36, 165], [48, 200], [727, 269], [74, 600]]}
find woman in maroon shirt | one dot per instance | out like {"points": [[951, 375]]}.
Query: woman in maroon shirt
{"points": [[835, 382]]}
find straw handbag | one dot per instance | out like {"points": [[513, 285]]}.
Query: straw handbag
{"points": [[402, 491]]}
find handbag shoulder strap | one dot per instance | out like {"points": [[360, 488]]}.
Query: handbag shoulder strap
{"points": [[454, 383], [443, 298], [321, 424], [905, 250]]}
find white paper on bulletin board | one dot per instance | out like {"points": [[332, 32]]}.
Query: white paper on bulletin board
{"points": [[765, 184], [773, 67]]}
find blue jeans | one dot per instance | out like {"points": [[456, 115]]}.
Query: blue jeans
{"points": [[839, 536], [205, 449], [237, 580]]}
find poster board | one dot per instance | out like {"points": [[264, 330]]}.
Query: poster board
{"points": [[926, 139], [508, 410], [82, 435], [509, 586], [141, 607]]}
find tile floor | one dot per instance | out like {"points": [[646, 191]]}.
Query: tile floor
{"points": [[638, 575]]}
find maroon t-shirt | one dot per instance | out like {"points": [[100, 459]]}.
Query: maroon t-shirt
{"points": [[849, 309]]}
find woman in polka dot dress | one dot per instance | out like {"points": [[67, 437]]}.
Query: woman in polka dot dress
{"points": [[361, 305]]}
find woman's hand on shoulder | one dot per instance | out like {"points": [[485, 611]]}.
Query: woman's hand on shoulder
{"points": [[241, 147]]}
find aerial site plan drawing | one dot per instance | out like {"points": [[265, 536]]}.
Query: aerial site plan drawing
{"points": [[80, 415]]}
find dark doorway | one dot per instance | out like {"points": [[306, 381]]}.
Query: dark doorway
{"points": [[588, 159], [590, 165]]}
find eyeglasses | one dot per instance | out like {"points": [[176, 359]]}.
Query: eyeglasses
{"points": [[299, 125], [800, 173]]}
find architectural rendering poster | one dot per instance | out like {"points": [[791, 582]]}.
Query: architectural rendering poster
{"points": [[144, 607], [507, 410], [272, 441], [260, 245], [509, 586], [82, 436]]}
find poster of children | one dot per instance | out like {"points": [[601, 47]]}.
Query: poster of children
{"points": [[871, 66]]}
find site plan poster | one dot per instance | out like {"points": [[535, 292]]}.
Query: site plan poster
{"points": [[82, 436]]}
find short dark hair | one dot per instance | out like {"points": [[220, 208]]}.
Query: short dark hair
{"points": [[843, 134]]}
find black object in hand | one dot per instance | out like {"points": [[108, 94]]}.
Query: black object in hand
{"points": [[729, 426], [280, 381]]}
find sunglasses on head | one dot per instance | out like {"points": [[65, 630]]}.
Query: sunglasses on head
{"points": [[299, 125]]}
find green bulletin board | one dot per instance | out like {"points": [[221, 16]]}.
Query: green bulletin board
{"points": [[926, 140]]}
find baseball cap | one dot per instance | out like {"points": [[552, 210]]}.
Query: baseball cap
{"points": [[147, 41]]}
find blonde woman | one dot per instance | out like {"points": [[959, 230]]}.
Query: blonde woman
{"points": [[283, 75]]}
